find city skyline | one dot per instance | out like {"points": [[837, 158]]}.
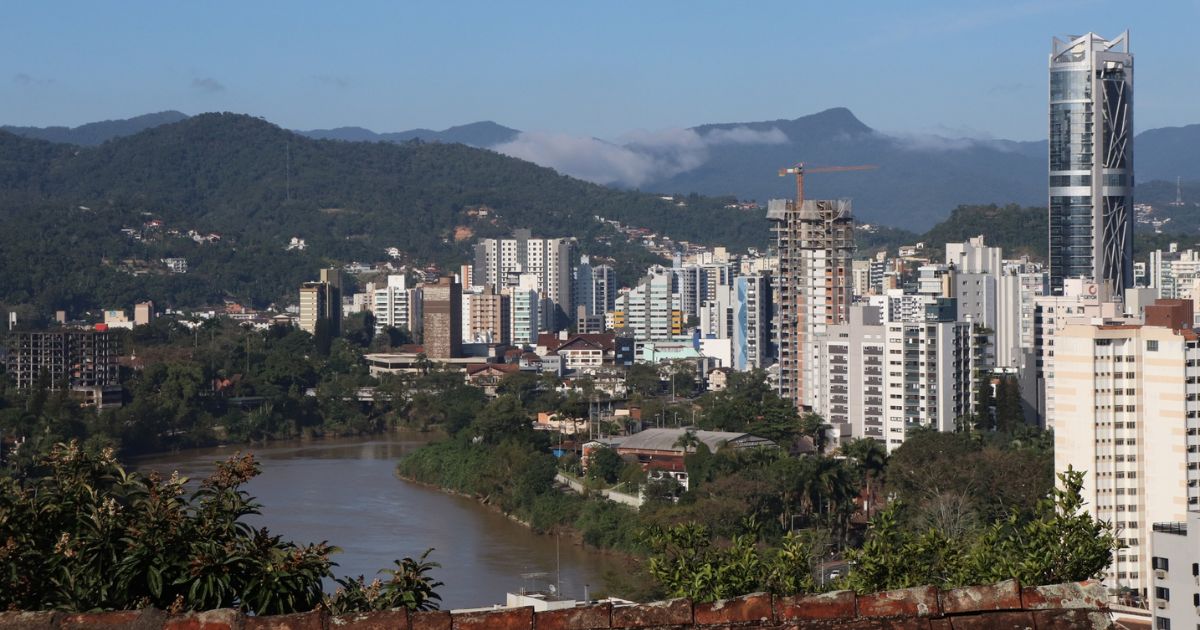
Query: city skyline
{"points": [[572, 70]]}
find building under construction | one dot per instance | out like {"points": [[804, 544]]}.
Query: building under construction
{"points": [[815, 243], [83, 361]]}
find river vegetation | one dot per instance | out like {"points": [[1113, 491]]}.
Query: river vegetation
{"points": [[752, 519], [80, 533]]}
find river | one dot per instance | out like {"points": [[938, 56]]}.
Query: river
{"points": [[345, 491]]}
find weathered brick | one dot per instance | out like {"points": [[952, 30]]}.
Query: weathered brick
{"points": [[664, 613], [940, 623], [1071, 619], [834, 605], [377, 620], [33, 620], [145, 619], [998, 620], [314, 620], [219, 619], [879, 623], [430, 620], [577, 618], [502, 619], [921, 601], [1071, 595], [753, 607], [1003, 596]]}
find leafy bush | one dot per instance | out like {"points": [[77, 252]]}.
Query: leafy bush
{"points": [[1061, 543], [81, 533], [408, 587]]}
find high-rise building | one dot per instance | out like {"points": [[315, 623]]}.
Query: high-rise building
{"points": [[396, 305], [1127, 400], [322, 300], [651, 310], [1091, 162], [879, 377], [741, 313], [441, 306], [489, 317], [499, 262], [815, 243], [595, 287], [524, 304], [84, 362]]}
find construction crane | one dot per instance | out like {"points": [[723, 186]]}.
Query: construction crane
{"points": [[799, 170]]}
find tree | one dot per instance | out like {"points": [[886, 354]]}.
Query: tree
{"points": [[1009, 412], [501, 419], [813, 426], [985, 419], [686, 563], [604, 464], [1061, 543], [871, 457], [687, 441], [643, 379], [88, 535]]}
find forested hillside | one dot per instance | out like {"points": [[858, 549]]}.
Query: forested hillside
{"points": [[257, 186]]}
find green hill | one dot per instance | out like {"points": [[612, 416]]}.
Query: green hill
{"points": [[62, 209]]}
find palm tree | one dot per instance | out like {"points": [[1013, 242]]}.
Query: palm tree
{"points": [[814, 426], [687, 440], [871, 457]]}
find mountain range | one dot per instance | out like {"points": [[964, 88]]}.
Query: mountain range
{"points": [[83, 227], [918, 178]]}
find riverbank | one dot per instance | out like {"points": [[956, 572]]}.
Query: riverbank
{"points": [[345, 491], [432, 433], [521, 485]]}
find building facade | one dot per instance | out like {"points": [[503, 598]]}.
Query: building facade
{"points": [[500, 262], [1127, 405], [1091, 162], [322, 300], [815, 242], [441, 306], [489, 314], [396, 305]]}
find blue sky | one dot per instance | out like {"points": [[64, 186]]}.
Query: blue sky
{"points": [[603, 69]]}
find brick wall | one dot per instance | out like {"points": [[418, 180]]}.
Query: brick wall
{"points": [[999, 606]]}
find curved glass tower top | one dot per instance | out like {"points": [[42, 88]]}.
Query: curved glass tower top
{"points": [[1091, 162]]}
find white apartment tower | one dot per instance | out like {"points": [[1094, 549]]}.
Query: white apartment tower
{"points": [[397, 305], [499, 262]]}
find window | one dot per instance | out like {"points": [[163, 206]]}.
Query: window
{"points": [[1162, 593], [1162, 623], [1151, 345], [1161, 564]]}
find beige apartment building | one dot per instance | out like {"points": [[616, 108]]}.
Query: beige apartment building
{"points": [[1126, 401]]}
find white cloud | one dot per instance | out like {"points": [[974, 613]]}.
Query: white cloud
{"points": [[642, 155]]}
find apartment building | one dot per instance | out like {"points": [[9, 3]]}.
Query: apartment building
{"points": [[322, 300], [1127, 413], [441, 307], [489, 317], [82, 361], [397, 305], [651, 311], [815, 241], [500, 262]]}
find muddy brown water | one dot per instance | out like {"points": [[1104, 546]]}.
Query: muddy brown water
{"points": [[345, 491]]}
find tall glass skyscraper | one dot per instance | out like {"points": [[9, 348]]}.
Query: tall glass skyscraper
{"points": [[1091, 162]]}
